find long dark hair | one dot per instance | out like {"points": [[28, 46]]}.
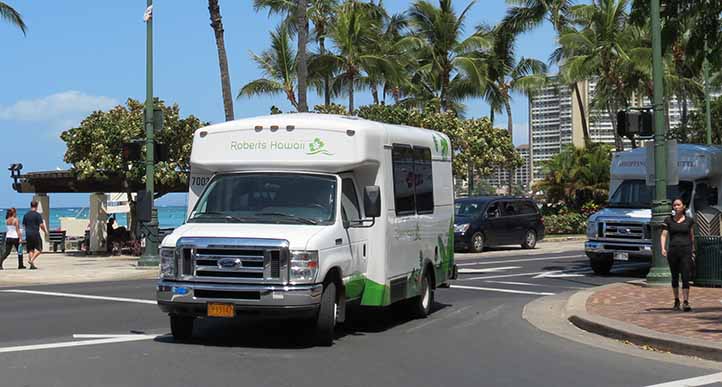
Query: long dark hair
{"points": [[683, 205], [10, 213]]}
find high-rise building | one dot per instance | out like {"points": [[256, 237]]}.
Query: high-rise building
{"points": [[555, 120], [499, 179]]}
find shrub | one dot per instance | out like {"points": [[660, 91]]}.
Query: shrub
{"points": [[565, 223]]}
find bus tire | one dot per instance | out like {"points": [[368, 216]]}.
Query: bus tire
{"points": [[601, 263], [420, 306], [181, 327], [326, 319]]}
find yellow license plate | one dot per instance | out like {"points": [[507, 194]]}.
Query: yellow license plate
{"points": [[221, 310]]}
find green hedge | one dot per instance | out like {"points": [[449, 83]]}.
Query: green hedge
{"points": [[565, 223]]}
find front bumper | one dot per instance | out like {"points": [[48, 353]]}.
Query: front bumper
{"points": [[635, 249], [191, 298], [461, 241]]}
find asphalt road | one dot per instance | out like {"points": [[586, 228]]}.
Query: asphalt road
{"points": [[475, 337]]}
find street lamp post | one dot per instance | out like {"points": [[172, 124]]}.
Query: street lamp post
{"points": [[150, 252], [659, 273], [708, 112]]}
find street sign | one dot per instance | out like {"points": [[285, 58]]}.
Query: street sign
{"points": [[672, 159]]}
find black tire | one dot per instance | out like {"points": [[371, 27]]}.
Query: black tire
{"points": [[326, 319], [529, 240], [601, 263], [477, 243], [420, 306], [181, 327]]}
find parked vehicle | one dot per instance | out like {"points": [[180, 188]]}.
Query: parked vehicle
{"points": [[621, 231], [486, 221], [302, 214]]}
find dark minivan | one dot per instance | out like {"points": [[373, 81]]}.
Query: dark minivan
{"points": [[485, 221]]}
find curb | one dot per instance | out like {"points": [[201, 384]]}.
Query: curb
{"points": [[576, 309], [565, 239]]}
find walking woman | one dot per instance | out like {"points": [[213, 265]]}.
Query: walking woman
{"points": [[679, 230], [13, 237]]}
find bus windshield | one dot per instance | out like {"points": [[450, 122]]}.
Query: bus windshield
{"points": [[637, 194], [281, 198]]}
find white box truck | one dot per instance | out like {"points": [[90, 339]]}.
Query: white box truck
{"points": [[302, 214], [621, 231]]}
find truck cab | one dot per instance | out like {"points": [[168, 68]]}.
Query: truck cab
{"points": [[621, 231], [300, 215]]}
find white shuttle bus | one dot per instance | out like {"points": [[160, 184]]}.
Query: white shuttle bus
{"points": [[302, 214], [621, 231]]}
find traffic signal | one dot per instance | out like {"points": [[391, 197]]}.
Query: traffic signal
{"points": [[131, 150], [635, 123], [161, 152]]}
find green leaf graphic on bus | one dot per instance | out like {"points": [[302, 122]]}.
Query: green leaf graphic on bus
{"points": [[441, 145], [317, 146]]}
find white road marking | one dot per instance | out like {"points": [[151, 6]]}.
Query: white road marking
{"points": [[520, 260], [488, 270], [84, 336], [438, 318], [501, 276], [515, 283], [698, 381], [84, 296], [67, 344], [558, 274], [615, 269], [502, 290]]}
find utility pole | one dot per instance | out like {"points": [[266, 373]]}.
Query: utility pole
{"points": [[659, 273], [150, 252], [708, 111]]}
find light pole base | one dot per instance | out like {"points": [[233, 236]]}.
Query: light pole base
{"points": [[150, 260], [659, 274], [659, 277], [151, 256]]}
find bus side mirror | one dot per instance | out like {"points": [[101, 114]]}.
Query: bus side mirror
{"points": [[372, 201]]}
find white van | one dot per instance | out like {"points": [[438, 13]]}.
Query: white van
{"points": [[301, 214], [621, 231]]}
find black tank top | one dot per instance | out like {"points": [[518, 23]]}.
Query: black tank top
{"points": [[679, 232]]}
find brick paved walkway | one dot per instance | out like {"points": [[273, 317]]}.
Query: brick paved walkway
{"points": [[651, 308]]}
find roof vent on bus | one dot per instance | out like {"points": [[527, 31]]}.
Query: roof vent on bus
{"points": [[290, 128], [258, 128], [274, 128], [350, 132]]}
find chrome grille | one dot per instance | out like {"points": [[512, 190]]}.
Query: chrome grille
{"points": [[624, 231], [234, 260]]}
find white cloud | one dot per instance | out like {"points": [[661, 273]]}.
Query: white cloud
{"points": [[61, 110]]}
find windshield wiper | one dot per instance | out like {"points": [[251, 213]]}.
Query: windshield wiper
{"points": [[305, 220], [217, 214]]}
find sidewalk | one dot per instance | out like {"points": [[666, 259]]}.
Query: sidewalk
{"points": [[644, 316], [58, 268]]}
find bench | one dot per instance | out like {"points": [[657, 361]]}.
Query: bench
{"points": [[57, 238]]}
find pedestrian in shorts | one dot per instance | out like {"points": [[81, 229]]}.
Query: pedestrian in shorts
{"points": [[33, 223], [13, 237]]}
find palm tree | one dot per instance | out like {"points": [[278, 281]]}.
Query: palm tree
{"points": [[321, 14], [525, 15], [389, 43], [12, 16], [215, 11], [448, 64], [296, 12], [279, 65], [612, 51], [352, 33]]}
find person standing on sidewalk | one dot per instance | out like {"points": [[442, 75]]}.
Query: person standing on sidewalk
{"points": [[13, 237], [33, 223], [679, 230]]}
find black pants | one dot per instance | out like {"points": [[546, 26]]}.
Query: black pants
{"points": [[680, 262], [9, 243]]}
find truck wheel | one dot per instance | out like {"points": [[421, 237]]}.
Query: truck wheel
{"points": [[601, 263], [326, 320], [181, 327], [529, 240], [477, 243], [420, 306]]}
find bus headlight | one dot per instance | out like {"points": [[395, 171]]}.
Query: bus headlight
{"points": [[304, 266], [591, 229], [167, 262]]}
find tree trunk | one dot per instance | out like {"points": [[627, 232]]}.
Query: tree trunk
{"points": [[471, 180], [302, 24], [510, 128], [217, 25], [444, 91], [326, 77], [585, 127], [375, 93], [350, 94], [491, 117], [618, 141]]}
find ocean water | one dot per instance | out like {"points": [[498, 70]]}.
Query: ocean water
{"points": [[168, 217]]}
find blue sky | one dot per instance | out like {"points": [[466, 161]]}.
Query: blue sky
{"points": [[81, 56]]}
